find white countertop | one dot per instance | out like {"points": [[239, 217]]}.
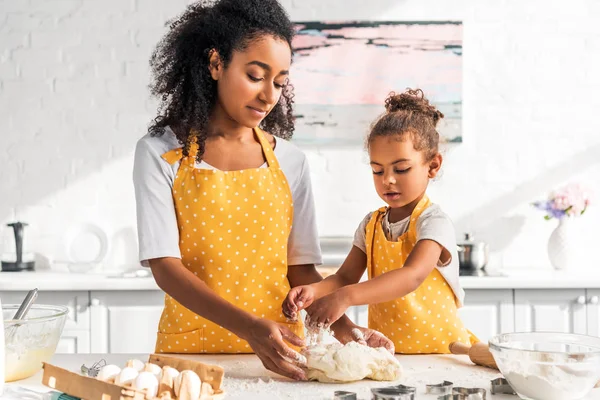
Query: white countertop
{"points": [[245, 377], [66, 281]]}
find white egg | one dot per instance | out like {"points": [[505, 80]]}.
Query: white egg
{"points": [[172, 372], [147, 380], [153, 368], [187, 385], [108, 372], [127, 375], [135, 363]]}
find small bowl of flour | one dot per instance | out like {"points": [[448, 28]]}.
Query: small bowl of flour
{"points": [[548, 365]]}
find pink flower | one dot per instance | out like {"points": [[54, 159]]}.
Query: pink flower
{"points": [[570, 200]]}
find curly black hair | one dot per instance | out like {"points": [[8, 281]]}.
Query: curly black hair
{"points": [[180, 64]]}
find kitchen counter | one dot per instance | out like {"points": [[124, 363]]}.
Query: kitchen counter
{"points": [[66, 281], [245, 377]]}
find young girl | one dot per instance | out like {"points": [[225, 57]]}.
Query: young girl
{"points": [[216, 195], [408, 248]]}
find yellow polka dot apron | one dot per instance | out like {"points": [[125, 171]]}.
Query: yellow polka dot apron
{"points": [[233, 234], [424, 321]]}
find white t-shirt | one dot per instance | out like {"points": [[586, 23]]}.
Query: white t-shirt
{"points": [[432, 224], [153, 179]]}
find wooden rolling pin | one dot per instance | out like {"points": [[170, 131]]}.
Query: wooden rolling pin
{"points": [[479, 353]]}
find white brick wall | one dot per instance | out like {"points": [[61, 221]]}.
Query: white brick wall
{"points": [[73, 100]]}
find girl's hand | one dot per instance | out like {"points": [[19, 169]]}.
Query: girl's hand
{"points": [[349, 332], [374, 338], [298, 299], [266, 338], [327, 309]]}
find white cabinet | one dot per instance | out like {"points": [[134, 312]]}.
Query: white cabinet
{"points": [[74, 341], [593, 312], [487, 313], [556, 310], [125, 321], [76, 333]]}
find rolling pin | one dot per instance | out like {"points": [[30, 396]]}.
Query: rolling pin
{"points": [[479, 353]]}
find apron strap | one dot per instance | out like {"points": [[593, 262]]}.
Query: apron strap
{"points": [[370, 236], [267, 149], [412, 225], [176, 154]]}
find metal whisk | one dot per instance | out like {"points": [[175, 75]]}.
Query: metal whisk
{"points": [[94, 369]]}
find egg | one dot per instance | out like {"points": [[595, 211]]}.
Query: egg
{"points": [[135, 363], [108, 372], [166, 384], [154, 369], [206, 390], [147, 381], [187, 385], [170, 371], [127, 375]]}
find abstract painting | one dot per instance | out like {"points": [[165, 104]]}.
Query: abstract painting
{"points": [[343, 71]]}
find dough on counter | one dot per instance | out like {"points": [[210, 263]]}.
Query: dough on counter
{"points": [[335, 362]]}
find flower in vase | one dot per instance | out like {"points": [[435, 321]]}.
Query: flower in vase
{"points": [[568, 201]]}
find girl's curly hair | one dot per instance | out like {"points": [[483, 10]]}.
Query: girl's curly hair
{"points": [[180, 64], [409, 113]]}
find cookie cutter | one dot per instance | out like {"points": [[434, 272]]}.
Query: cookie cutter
{"points": [[501, 386], [440, 388], [399, 392], [341, 395], [460, 393]]}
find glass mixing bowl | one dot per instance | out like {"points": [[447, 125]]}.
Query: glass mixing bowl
{"points": [[548, 365], [32, 340]]}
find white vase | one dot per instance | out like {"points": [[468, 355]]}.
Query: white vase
{"points": [[561, 245]]}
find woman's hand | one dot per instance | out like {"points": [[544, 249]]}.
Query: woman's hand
{"points": [[349, 332], [328, 309], [266, 338], [298, 299]]}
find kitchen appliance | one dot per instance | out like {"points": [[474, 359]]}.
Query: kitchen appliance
{"points": [[19, 264], [473, 256]]}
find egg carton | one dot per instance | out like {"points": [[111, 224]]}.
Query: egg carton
{"points": [[89, 388]]}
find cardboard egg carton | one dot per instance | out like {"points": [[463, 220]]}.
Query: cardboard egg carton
{"points": [[85, 387]]}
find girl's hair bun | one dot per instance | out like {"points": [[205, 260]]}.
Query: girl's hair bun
{"points": [[413, 100]]}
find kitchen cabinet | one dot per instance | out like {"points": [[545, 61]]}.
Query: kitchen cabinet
{"points": [[593, 312], [125, 321], [487, 312], [556, 310]]}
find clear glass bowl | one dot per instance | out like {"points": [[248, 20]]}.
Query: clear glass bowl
{"points": [[548, 365], [31, 341]]}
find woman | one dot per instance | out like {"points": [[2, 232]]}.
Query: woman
{"points": [[226, 219]]}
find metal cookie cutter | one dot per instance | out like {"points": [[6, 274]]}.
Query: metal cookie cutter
{"points": [[341, 395], [459, 393], [501, 386], [399, 392], [440, 388], [94, 369]]}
